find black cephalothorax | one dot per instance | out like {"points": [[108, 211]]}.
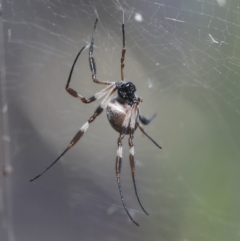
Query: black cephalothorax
{"points": [[126, 91]]}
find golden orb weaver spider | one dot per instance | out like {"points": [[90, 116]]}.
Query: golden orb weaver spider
{"points": [[122, 112]]}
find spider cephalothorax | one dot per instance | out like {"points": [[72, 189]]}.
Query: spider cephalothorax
{"points": [[122, 112], [126, 91]]}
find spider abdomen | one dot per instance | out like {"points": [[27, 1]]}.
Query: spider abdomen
{"points": [[116, 112]]}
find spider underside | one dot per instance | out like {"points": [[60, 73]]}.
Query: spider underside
{"points": [[122, 112]]}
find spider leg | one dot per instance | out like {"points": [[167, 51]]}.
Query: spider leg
{"points": [[74, 93], [82, 130], [119, 161], [144, 132], [97, 96], [146, 121], [123, 53], [131, 155], [92, 61], [118, 172]]}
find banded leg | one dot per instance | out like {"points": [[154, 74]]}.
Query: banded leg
{"points": [[82, 130], [97, 96], [131, 155], [123, 53], [92, 61], [132, 165], [118, 172], [125, 125], [74, 93]]}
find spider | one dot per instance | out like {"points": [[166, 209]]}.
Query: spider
{"points": [[122, 113]]}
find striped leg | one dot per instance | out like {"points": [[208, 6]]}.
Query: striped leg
{"points": [[131, 155], [118, 172], [82, 130], [92, 61], [97, 96], [119, 160], [74, 93], [123, 53]]}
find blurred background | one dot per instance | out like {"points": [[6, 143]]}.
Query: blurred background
{"points": [[184, 58]]}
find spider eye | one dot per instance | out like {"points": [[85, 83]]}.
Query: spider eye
{"points": [[126, 91]]}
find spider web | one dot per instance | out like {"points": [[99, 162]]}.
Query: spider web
{"points": [[184, 58]]}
